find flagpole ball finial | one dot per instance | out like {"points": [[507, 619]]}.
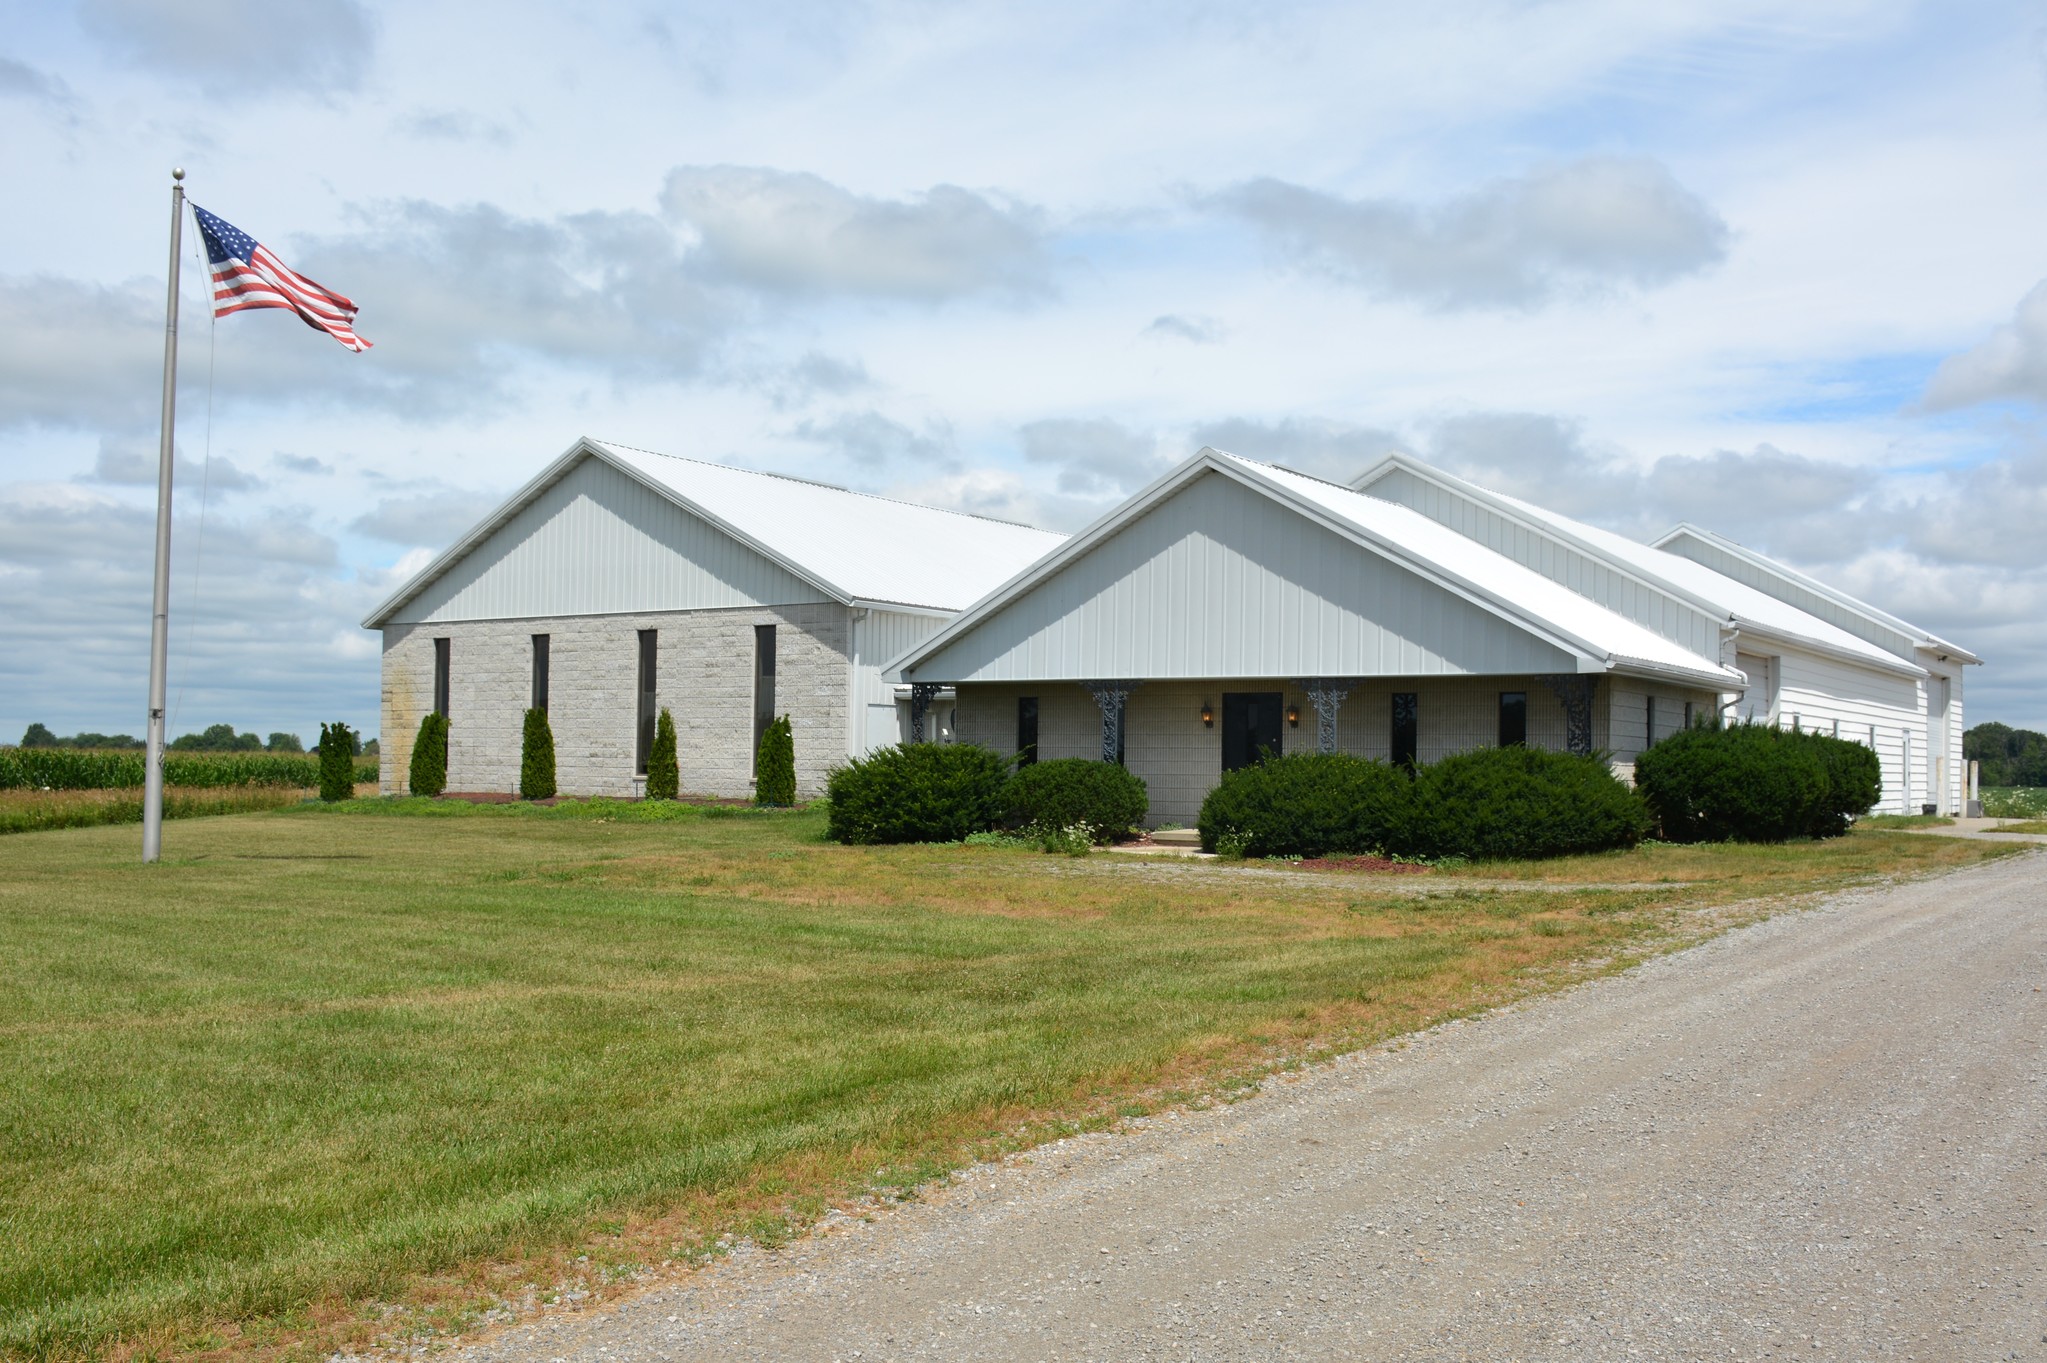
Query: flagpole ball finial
{"points": [[177, 172]]}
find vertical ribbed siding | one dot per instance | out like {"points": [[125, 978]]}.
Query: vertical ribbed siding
{"points": [[1221, 581], [601, 543], [1791, 594], [1560, 563]]}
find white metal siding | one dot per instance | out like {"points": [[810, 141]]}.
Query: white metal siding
{"points": [[600, 543], [880, 637], [1814, 692], [1650, 607], [1791, 594], [1220, 581]]}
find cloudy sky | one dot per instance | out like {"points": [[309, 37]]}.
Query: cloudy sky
{"points": [[1785, 277]]}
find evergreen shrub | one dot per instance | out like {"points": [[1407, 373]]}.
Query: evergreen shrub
{"points": [[1756, 783], [337, 762], [428, 774], [774, 769], [664, 782], [1522, 802], [1307, 805], [916, 792], [536, 758], [1068, 791]]}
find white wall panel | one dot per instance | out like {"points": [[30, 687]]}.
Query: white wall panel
{"points": [[880, 637], [600, 543], [1647, 606], [1220, 581], [1811, 602]]}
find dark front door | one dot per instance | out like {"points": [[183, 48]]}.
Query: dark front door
{"points": [[1251, 724]]}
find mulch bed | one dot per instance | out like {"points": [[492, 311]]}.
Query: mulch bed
{"points": [[1360, 864]]}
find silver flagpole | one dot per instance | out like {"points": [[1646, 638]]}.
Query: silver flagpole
{"points": [[160, 619]]}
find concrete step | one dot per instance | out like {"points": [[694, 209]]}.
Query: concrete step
{"points": [[1177, 837]]}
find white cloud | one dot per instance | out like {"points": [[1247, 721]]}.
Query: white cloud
{"points": [[2009, 363], [1592, 224], [237, 48], [872, 440], [1195, 330], [1096, 456], [795, 233]]}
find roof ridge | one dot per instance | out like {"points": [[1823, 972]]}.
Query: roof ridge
{"points": [[834, 487]]}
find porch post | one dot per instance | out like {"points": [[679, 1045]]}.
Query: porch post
{"points": [[1327, 695], [1111, 695], [920, 701], [1575, 691]]}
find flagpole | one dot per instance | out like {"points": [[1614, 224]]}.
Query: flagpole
{"points": [[160, 618]]}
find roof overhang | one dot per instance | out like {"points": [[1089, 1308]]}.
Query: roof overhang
{"points": [[1745, 629]]}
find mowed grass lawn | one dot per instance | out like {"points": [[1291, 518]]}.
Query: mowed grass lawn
{"points": [[316, 1055]]}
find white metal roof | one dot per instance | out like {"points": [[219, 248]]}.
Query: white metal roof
{"points": [[871, 548], [1602, 637], [1737, 602], [855, 546]]}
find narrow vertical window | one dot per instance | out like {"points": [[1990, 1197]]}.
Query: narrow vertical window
{"points": [[540, 642], [1688, 714], [649, 643], [441, 651], [1406, 727], [1513, 718], [1650, 723], [1026, 730], [763, 684]]}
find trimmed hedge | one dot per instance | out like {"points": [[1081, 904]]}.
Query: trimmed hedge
{"points": [[1522, 802], [428, 774], [536, 758], [1756, 783], [917, 792], [1309, 805], [1064, 791], [664, 782], [337, 748], [774, 781]]}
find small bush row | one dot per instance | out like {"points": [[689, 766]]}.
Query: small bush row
{"points": [[943, 792], [1757, 783], [1489, 803]]}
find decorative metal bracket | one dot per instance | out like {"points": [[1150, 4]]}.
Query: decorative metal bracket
{"points": [[920, 701], [1575, 692], [1327, 695], [1111, 696]]}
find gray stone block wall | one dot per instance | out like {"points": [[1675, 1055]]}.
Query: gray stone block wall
{"points": [[703, 675]]}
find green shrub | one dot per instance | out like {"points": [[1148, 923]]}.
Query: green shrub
{"points": [[337, 762], [1745, 782], [1067, 791], [1307, 805], [774, 767], [429, 773], [1522, 802], [664, 781], [536, 758], [1855, 781], [918, 792], [76, 769]]}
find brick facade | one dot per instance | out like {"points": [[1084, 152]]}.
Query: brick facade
{"points": [[704, 674]]}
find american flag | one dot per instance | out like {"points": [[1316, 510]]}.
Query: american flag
{"points": [[247, 275]]}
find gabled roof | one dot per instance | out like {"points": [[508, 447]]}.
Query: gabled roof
{"points": [[853, 547], [1743, 607], [1599, 637], [1921, 638]]}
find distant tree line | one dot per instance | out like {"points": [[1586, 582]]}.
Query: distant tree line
{"points": [[2010, 757], [214, 738]]}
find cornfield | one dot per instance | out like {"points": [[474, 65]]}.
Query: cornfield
{"points": [[86, 769]]}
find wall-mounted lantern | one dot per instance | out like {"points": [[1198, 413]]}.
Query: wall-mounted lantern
{"points": [[1293, 716], [1207, 715]]}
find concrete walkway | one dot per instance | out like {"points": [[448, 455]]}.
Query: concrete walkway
{"points": [[1980, 828]]}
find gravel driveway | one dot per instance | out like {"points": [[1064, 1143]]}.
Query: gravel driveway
{"points": [[1821, 1137]]}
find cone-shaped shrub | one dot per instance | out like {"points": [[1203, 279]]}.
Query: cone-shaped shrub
{"points": [[1065, 791], [1308, 805], [337, 762], [1522, 802], [775, 766], [536, 758], [663, 782], [918, 792], [428, 774]]}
